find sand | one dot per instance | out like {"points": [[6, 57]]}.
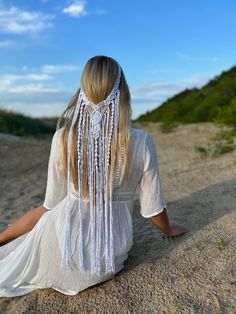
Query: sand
{"points": [[195, 273]]}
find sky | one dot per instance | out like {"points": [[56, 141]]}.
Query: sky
{"points": [[163, 47]]}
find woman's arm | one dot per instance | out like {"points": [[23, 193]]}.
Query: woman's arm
{"points": [[55, 192], [22, 225], [152, 199], [161, 221], [56, 189]]}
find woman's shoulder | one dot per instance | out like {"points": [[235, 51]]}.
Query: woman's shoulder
{"points": [[144, 138], [59, 131], [57, 136], [139, 133]]}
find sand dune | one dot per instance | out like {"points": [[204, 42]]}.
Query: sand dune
{"points": [[195, 273]]}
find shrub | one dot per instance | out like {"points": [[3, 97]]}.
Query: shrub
{"points": [[168, 126], [22, 125]]}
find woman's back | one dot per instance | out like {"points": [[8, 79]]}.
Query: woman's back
{"points": [[84, 235], [143, 174]]}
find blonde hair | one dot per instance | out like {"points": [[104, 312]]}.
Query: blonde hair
{"points": [[98, 78]]}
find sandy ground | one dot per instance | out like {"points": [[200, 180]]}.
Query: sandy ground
{"points": [[195, 273]]}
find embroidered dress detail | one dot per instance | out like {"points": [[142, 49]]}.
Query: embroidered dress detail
{"points": [[98, 124], [115, 197]]}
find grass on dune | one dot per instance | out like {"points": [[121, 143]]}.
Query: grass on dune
{"points": [[214, 102], [19, 124]]}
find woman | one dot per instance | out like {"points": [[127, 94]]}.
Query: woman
{"points": [[82, 233]]}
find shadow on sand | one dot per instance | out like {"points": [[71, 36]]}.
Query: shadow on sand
{"points": [[195, 212]]}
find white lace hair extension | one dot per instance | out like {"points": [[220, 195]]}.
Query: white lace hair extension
{"points": [[99, 124]]}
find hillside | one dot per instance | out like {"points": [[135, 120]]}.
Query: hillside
{"points": [[22, 125], [216, 101]]}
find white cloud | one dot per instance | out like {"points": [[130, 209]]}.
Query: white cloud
{"points": [[76, 9], [188, 57], [28, 75], [16, 21], [32, 88], [6, 43], [59, 68], [37, 91], [33, 95], [9, 81], [196, 58], [152, 94]]}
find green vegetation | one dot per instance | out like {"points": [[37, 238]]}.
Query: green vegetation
{"points": [[214, 149], [221, 144], [214, 102], [22, 125], [222, 243], [167, 127], [226, 135]]}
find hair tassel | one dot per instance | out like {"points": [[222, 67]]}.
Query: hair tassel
{"points": [[99, 127]]}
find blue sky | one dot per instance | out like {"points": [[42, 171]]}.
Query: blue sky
{"points": [[163, 46]]}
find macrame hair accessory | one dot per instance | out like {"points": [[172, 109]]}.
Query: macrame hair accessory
{"points": [[98, 123]]}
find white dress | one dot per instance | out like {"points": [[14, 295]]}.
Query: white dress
{"points": [[32, 261]]}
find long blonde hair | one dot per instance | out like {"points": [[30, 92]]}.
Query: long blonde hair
{"points": [[98, 79]]}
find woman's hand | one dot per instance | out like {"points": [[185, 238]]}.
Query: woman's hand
{"points": [[22, 225], [161, 221]]}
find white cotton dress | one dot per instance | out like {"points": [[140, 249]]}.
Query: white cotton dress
{"points": [[32, 261]]}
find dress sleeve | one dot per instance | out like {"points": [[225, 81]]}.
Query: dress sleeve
{"points": [[56, 188], [151, 195]]}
